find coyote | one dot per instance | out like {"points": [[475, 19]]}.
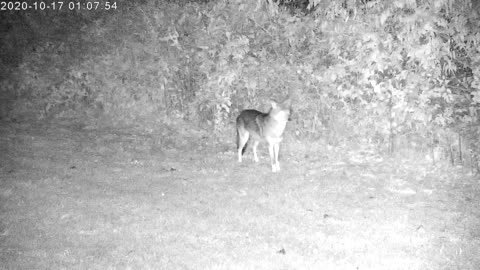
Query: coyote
{"points": [[267, 127]]}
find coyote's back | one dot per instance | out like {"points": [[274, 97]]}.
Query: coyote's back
{"points": [[258, 126]]}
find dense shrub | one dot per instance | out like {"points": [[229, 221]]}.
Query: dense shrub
{"points": [[375, 72]]}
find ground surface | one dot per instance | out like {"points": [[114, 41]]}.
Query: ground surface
{"points": [[76, 198]]}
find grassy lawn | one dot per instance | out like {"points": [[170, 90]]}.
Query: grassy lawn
{"points": [[102, 199]]}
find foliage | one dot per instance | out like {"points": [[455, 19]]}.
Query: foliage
{"points": [[378, 72], [402, 66]]}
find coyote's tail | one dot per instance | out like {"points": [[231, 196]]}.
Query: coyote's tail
{"points": [[238, 142]]}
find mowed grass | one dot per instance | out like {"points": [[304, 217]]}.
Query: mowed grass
{"points": [[89, 199]]}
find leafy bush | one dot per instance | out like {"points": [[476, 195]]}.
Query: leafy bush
{"points": [[378, 72]]}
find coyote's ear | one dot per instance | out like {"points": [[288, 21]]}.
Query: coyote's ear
{"points": [[274, 104]]}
